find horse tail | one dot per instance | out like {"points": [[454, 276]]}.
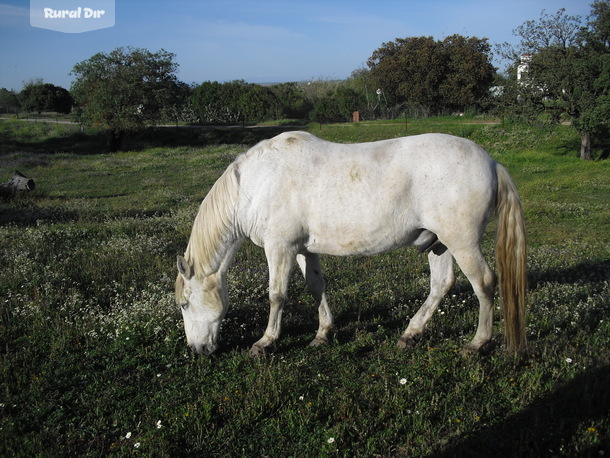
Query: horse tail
{"points": [[511, 260]]}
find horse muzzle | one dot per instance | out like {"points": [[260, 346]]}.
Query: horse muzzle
{"points": [[203, 349]]}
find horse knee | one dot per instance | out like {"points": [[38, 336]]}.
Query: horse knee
{"points": [[276, 298]]}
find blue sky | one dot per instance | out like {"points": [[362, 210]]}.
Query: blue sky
{"points": [[258, 41]]}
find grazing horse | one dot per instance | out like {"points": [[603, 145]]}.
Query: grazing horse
{"points": [[298, 196]]}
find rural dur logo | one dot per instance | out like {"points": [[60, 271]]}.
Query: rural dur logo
{"points": [[72, 16]]}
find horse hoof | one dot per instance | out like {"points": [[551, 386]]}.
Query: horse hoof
{"points": [[483, 350], [319, 342], [406, 343], [257, 352], [487, 349]]}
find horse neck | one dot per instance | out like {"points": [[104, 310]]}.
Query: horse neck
{"points": [[214, 237], [209, 255]]}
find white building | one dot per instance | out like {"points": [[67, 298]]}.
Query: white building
{"points": [[524, 66]]}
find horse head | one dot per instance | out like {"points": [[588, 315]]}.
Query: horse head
{"points": [[203, 306]]}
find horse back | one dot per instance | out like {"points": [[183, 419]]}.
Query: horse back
{"points": [[367, 197]]}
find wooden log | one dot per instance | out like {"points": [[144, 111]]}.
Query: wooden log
{"points": [[19, 182]]}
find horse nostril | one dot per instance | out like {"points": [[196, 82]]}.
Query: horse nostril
{"points": [[198, 349], [210, 348]]}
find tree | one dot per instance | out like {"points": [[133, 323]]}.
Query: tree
{"points": [[258, 103], [178, 107], [338, 105], [124, 90], [292, 100], [8, 101], [38, 97], [237, 101], [567, 67], [469, 74], [452, 74], [207, 102]]}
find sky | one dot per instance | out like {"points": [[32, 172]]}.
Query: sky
{"points": [[257, 41]]}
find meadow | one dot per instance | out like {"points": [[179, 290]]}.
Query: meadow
{"points": [[93, 358]]}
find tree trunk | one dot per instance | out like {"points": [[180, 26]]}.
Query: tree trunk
{"points": [[585, 146], [19, 182]]}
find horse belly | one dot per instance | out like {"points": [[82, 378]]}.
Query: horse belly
{"points": [[349, 246], [361, 233]]}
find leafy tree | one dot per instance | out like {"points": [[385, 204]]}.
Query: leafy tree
{"points": [[567, 67], [124, 90], [178, 107], [207, 101], [8, 101], [469, 72], [259, 103], [38, 97], [292, 100], [338, 105], [233, 102], [452, 74]]}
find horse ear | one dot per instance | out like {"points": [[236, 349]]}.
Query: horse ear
{"points": [[184, 268]]}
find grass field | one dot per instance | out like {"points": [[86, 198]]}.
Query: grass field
{"points": [[93, 359]]}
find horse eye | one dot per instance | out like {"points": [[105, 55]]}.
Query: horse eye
{"points": [[184, 305]]}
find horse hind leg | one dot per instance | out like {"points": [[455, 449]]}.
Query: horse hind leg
{"points": [[442, 279], [483, 281], [312, 271]]}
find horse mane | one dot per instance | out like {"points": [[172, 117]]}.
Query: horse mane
{"points": [[214, 225]]}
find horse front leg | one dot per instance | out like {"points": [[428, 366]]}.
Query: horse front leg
{"points": [[280, 263], [312, 271], [442, 279]]}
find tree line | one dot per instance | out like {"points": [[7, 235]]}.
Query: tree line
{"points": [[558, 72]]}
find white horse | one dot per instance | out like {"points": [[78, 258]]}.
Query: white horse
{"points": [[298, 196]]}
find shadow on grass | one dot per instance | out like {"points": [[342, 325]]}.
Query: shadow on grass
{"points": [[600, 147], [590, 271], [547, 424], [98, 142], [30, 216], [301, 320]]}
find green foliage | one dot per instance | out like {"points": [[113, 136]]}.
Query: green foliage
{"points": [[231, 103], [441, 76], [8, 101], [39, 97], [93, 359], [293, 100], [567, 71], [338, 105], [125, 89]]}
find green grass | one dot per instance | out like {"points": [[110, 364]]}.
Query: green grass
{"points": [[93, 359]]}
